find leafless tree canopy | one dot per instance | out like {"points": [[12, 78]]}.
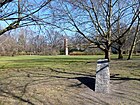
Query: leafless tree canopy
{"points": [[104, 23], [21, 13], [96, 20], [3, 2]]}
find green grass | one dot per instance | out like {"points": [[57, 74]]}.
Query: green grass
{"points": [[55, 78], [85, 64], [43, 61]]}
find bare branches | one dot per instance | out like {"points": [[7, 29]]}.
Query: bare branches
{"points": [[135, 39], [98, 20], [20, 15], [135, 16], [3, 2]]}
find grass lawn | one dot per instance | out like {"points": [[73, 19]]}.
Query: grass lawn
{"points": [[85, 64], [58, 80], [43, 61]]}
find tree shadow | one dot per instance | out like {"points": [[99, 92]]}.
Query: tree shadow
{"points": [[87, 81], [34, 78], [117, 77], [71, 73], [8, 93], [124, 78]]}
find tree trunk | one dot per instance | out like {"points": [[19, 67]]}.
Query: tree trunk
{"points": [[120, 56], [108, 44], [131, 50], [107, 54], [134, 40]]}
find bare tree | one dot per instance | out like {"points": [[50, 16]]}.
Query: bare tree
{"points": [[78, 43], [120, 44], [135, 41], [95, 19], [20, 13], [54, 41], [22, 41], [8, 45]]}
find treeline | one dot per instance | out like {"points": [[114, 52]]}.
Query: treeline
{"points": [[109, 26], [27, 42]]}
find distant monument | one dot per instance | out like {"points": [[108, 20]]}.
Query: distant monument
{"points": [[102, 82], [66, 46]]}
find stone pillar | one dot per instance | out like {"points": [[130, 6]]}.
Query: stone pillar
{"points": [[102, 82], [66, 46]]}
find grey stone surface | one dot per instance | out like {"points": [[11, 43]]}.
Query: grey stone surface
{"points": [[102, 83]]}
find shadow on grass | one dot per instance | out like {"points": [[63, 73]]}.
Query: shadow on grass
{"points": [[71, 73], [40, 77], [21, 86], [116, 77], [7, 93], [88, 81], [125, 78]]}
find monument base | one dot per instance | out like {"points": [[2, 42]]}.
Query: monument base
{"points": [[102, 83]]}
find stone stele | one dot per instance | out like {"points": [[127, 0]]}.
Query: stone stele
{"points": [[102, 82], [66, 46]]}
